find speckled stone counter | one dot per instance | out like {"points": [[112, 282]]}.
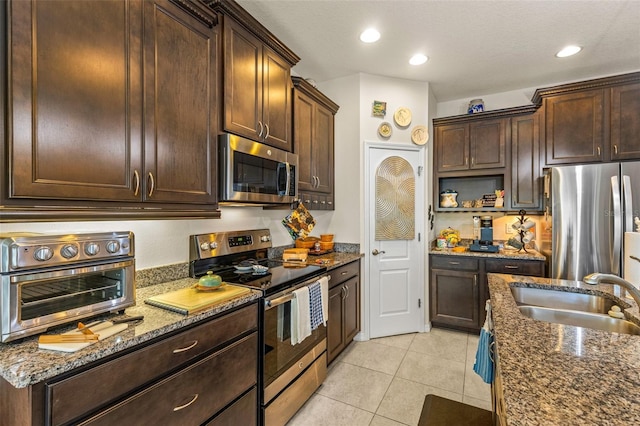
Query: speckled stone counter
{"points": [[23, 364], [502, 254], [557, 374]]}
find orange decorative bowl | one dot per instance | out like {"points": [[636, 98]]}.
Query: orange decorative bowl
{"points": [[326, 238], [326, 245], [307, 242]]}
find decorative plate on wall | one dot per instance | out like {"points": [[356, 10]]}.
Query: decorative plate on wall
{"points": [[402, 117], [384, 129], [419, 135]]}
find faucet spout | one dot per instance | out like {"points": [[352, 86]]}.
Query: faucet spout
{"points": [[598, 277]]}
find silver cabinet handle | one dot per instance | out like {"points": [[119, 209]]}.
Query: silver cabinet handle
{"points": [[180, 407], [453, 263], [615, 149], [136, 175], [177, 351], [475, 280], [510, 267], [261, 129], [598, 148], [375, 252], [152, 184], [266, 135], [344, 292]]}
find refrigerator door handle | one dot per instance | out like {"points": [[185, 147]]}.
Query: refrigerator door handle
{"points": [[628, 203], [617, 225]]}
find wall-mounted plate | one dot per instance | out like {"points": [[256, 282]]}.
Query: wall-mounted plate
{"points": [[402, 117], [384, 129], [419, 135]]}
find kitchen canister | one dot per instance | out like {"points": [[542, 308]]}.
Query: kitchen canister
{"points": [[475, 105]]}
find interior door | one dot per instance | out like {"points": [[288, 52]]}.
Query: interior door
{"points": [[396, 265]]}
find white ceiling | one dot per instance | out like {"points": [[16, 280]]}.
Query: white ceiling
{"points": [[474, 47]]}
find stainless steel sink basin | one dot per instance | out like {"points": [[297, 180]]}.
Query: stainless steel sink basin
{"points": [[561, 299], [580, 319]]}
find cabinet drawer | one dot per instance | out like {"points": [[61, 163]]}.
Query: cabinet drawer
{"points": [[518, 267], [192, 395], [343, 273], [242, 412], [454, 262], [68, 401]]}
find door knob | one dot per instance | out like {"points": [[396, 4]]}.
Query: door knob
{"points": [[375, 252]]}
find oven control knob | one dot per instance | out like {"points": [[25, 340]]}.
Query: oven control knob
{"points": [[213, 245], [92, 249], [43, 254], [113, 246], [69, 251], [265, 239], [204, 246]]}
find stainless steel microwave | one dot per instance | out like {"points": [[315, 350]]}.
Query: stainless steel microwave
{"points": [[255, 173]]}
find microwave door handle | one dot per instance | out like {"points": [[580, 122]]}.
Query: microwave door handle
{"points": [[628, 203], [617, 224], [288, 186]]}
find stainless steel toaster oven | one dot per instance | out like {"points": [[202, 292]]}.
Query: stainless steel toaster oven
{"points": [[50, 280]]}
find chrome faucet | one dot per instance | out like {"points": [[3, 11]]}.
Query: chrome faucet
{"points": [[597, 278]]}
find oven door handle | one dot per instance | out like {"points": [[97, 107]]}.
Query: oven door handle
{"points": [[268, 304]]}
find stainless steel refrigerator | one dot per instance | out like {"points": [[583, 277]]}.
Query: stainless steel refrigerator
{"points": [[592, 206]]}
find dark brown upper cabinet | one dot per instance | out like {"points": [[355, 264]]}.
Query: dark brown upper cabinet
{"points": [[313, 136], [257, 79], [625, 122], [525, 162], [574, 126], [472, 145], [591, 121], [114, 109]]}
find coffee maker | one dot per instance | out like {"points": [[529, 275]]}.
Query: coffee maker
{"points": [[483, 240]]}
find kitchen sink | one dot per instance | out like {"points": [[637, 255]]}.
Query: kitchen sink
{"points": [[561, 299], [580, 319]]}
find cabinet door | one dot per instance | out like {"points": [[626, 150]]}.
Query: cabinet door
{"points": [[487, 144], [452, 147], [454, 298], [335, 337], [351, 309], [75, 87], [276, 102], [525, 163], [574, 126], [323, 150], [181, 94], [303, 115], [625, 122], [242, 81]]}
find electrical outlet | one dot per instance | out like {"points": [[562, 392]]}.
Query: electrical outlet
{"points": [[508, 229]]}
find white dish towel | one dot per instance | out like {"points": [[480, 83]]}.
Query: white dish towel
{"points": [[300, 315]]}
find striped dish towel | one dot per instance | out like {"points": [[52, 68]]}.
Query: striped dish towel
{"points": [[315, 302]]}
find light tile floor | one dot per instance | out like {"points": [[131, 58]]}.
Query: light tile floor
{"points": [[383, 382]]}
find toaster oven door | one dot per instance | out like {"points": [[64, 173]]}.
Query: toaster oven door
{"points": [[32, 302]]}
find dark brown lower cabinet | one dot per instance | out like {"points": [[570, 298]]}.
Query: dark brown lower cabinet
{"points": [[205, 373], [344, 308], [458, 288]]}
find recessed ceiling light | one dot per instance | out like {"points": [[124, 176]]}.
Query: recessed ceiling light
{"points": [[370, 36], [418, 59], [568, 51]]}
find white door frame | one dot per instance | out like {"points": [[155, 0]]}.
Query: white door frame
{"points": [[368, 223]]}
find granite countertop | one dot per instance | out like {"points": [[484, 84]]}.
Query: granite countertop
{"points": [[530, 254], [558, 374], [333, 260], [23, 364]]}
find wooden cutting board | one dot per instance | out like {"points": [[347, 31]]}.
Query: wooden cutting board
{"points": [[189, 300]]}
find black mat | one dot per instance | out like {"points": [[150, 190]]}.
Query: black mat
{"points": [[438, 411]]}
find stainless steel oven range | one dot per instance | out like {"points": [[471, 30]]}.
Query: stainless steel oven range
{"points": [[289, 374], [50, 280]]}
